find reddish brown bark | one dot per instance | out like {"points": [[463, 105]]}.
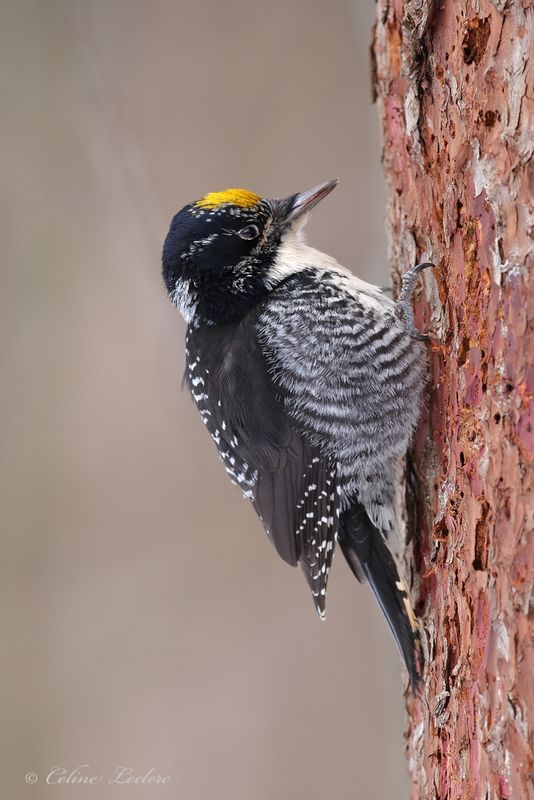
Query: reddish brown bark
{"points": [[455, 83]]}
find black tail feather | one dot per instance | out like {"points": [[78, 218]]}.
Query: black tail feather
{"points": [[365, 550]]}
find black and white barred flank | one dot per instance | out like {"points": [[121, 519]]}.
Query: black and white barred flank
{"points": [[350, 377]]}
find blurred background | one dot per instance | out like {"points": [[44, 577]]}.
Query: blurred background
{"points": [[146, 620]]}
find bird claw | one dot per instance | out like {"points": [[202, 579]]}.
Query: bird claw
{"points": [[404, 307]]}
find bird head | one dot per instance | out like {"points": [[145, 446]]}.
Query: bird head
{"points": [[222, 252]]}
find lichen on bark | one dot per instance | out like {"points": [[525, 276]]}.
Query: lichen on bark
{"points": [[455, 88]]}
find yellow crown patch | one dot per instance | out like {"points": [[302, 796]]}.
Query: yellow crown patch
{"points": [[234, 197]]}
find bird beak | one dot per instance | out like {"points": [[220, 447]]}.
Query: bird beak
{"points": [[300, 204]]}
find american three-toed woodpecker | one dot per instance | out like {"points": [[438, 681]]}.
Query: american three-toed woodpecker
{"points": [[309, 381]]}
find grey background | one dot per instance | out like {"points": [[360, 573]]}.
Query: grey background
{"points": [[147, 622]]}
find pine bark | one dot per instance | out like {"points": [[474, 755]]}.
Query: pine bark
{"points": [[455, 85]]}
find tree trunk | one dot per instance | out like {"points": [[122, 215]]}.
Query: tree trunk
{"points": [[455, 83]]}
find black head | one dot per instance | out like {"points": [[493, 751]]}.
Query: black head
{"points": [[219, 250]]}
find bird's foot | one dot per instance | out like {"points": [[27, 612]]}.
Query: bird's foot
{"points": [[404, 307]]}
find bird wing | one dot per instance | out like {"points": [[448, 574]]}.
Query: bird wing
{"points": [[291, 485], [298, 505]]}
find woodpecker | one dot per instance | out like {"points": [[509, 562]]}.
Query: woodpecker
{"points": [[309, 380]]}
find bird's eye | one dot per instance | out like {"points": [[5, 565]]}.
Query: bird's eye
{"points": [[250, 232]]}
